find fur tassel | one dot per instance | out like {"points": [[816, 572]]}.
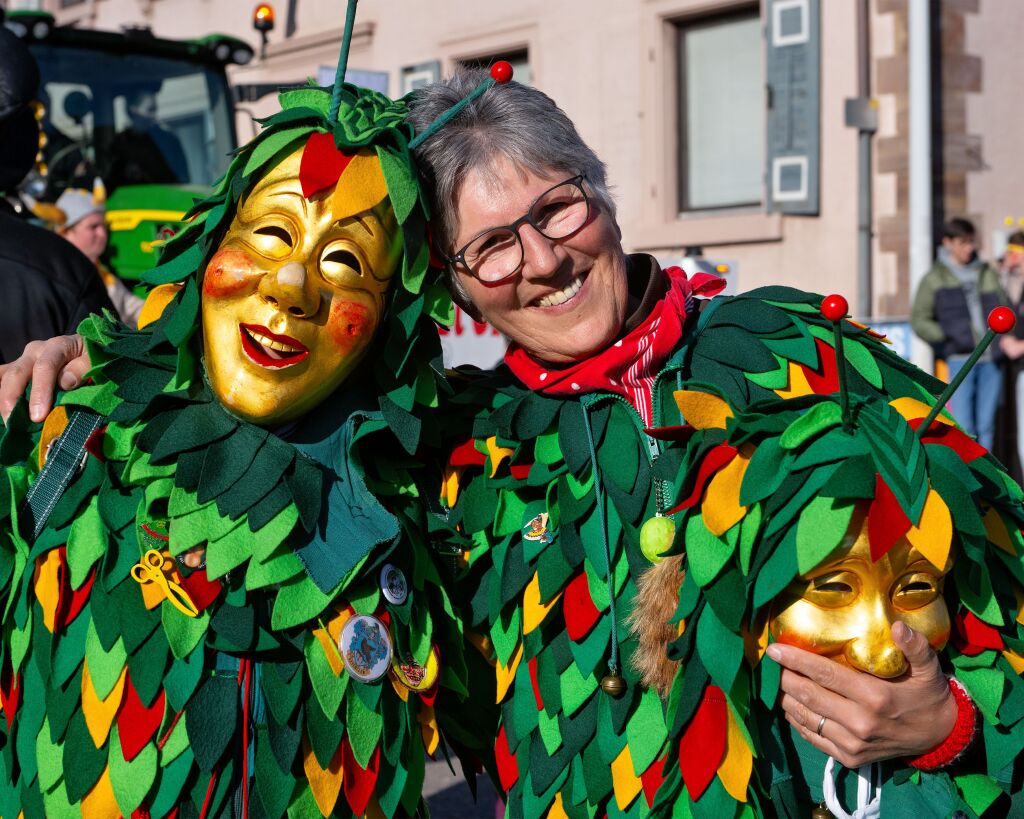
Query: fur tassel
{"points": [[656, 601]]}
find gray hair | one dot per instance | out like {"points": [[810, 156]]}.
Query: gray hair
{"points": [[512, 120]]}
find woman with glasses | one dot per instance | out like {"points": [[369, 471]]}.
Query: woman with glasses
{"points": [[562, 495]]}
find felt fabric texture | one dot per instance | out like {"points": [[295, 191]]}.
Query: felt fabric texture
{"points": [[537, 601], [808, 470], [115, 701]]}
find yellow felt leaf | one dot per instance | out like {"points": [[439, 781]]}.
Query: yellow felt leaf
{"points": [[428, 727], [325, 784], [626, 783], [46, 586], [755, 642], [504, 676], [911, 408], [401, 690], [99, 714], [373, 809], [797, 383], [1018, 593], [702, 409], [1015, 661], [995, 531], [483, 644], [497, 453], [557, 810], [329, 639], [450, 486], [360, 188], [53, 426], [534, 611], [933, 535], [100, 801], [737, 762], [156, 302], [721, 508]]}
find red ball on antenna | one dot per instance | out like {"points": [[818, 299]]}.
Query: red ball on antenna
{"points": [[834, 307], [1001, 320], [501, 71]]}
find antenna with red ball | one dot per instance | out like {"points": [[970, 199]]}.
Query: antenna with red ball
{"points": [[1000, 320], [501, 72], [835, 308]]}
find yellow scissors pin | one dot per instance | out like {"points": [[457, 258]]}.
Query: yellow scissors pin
{"points": [[150, 569]]}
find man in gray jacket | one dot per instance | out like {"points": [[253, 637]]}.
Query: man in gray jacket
{"points": [[949, 312]]}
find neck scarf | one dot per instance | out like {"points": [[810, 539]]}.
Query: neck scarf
{"points": [[628, 366]]}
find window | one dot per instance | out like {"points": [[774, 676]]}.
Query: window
{"points": [[519, 60], [721, 112]]}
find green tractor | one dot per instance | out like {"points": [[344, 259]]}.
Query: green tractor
{"points": [[154, 119]]}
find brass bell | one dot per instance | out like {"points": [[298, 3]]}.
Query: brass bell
{"points": [[821, 812], [613, 685]]}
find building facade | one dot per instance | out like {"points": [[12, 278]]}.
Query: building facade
{"points": [[724, 123]]}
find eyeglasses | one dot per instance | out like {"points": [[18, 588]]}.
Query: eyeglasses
{"points": [[497, 253]]}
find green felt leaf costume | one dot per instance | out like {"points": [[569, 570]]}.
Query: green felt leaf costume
{"points": [[115, 700], [799, 470], [548, 591]]}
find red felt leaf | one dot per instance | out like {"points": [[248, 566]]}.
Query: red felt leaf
{"points": [[357, 782], [70, 602], [938, 433], [140, 813], [137, 723], [973, 636], [10, 695], [201, 590], [682, 433], [578, 608], [824, 379], [887, 522], [713, 461], [652, 778], [466, 454], [321, 165], [94, 443], [703, 744], [536, 687], [520, 471], [508, 771]]}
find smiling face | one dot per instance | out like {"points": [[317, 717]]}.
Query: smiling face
{"points": [[569, 299], [294, 293], [845, 608]]}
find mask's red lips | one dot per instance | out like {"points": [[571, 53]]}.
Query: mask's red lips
{"points": [[269, 349]]}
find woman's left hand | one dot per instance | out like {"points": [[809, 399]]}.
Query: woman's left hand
{"points": [[867, 719]]}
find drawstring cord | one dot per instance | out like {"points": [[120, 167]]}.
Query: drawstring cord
{"points": [[613, 661]]}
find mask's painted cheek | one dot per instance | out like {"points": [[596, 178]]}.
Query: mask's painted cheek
{"points": [[230, 273], [350, 324]]}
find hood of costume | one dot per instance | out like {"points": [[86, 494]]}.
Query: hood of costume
{"points": [[116, 699], [552, 490]]}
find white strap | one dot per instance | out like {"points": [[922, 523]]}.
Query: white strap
{"points": [[868, 806]]}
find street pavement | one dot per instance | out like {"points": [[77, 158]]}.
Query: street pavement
{"points": [[448, 794]]}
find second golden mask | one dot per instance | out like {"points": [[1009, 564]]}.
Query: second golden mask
{"points": [[845, 607], [296, 290]]}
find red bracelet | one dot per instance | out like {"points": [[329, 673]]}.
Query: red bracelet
{"points": [[959, 739]]}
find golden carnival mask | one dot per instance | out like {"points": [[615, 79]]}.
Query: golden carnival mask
{"points": [[295, 292], [846, 606]]}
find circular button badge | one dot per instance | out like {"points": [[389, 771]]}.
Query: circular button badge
{"points": [[393, 585], [366, 647], [417, 677]]}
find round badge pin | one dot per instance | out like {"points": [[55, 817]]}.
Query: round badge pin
{"points": [[393, 584], [416, 677], [365, 647]]}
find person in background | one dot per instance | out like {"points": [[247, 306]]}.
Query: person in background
{"points": [[85, 226], [949, 313], [1012, 344], [48, 286]]}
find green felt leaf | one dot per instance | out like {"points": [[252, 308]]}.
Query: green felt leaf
{"points": [[979, 791], [720, 649], [777, 572], [104, 666], [403, 189], [646, 731], [772, 379], [707, 553], [183, 632], [298, 601], [363, 726], [267, 148], [985, 685], [819, 530], [329, 689], [131, 781], [87, 542], [749, 528], [49, 758], [813, 422]]}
